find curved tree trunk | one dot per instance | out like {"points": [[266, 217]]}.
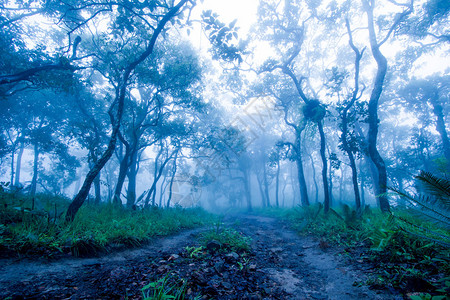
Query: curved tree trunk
{"points": [[381, 187], [261, 191]]}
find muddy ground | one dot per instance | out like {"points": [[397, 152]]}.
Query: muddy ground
{"points": [[280, 265]]}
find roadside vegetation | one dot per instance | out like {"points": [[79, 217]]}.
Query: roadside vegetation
{"points": [[29, 228], [409, 247]]}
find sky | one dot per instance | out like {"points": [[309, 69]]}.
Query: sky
{"points": [[243, 10]]}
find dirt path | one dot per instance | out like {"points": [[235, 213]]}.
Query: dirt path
{"points": [[281, 265], [300, 267]]}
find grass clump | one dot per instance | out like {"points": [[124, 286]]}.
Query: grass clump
{"points": [[95, 228], [229, 238], [167, 287]]}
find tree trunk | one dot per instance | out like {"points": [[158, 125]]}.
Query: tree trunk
{"points": [[266, 185], [158, 173], [314, 178], [96, 183], [174, 172], [247, 185], [294, 184], [19, 165], [162, 188], [346, 147], [132, 174], [301, 176], [261, 191], [283, 193], [35, 171], [355, 182], [97, 189], [326, 191], [330, 182], [277, 184], [440, 127], [79, 199], [362, 177], [13, 152], [373, 120], [124, 163]]}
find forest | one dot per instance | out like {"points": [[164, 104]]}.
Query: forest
{"points": [[200, 149]]}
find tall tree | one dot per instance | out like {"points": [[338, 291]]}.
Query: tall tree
{"points": [[382, 68], [168, 12]]}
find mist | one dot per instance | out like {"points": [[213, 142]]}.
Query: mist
{"points": [[276, 108]]}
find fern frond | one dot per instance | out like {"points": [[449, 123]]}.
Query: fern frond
{"points": [[428, 206], [421, 228], [442, 243], [436, 186]]}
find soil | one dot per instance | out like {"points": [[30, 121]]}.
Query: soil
{"points": [[280, 265]]}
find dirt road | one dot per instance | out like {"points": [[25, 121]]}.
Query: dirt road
{"points": [[281, 265]]}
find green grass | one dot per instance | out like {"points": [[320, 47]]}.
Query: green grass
{"points": [[95, 228], [167, 287], [229, 238]]}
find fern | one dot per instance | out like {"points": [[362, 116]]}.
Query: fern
{"points": [[428, 206], [435, 186], [433, 204]]}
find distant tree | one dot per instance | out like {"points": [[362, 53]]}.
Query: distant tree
{"points": [[348, 116], [431, 92], [289, 33], [168, 84]]}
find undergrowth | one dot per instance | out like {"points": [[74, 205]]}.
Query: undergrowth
{"points": [[404, 260], [95, 228]]}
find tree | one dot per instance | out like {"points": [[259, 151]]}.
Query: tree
{"points": [[291, 34], [435, 92], [375, 44], [170, 12], [347, 138], [160, 99]]}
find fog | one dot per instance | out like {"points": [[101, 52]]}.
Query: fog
{"points": [[313, 102], [201, 149]]}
